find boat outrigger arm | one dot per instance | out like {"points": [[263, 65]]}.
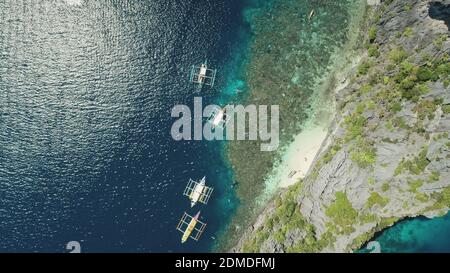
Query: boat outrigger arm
{"points": [[202, 75], [198, 192], [191, 227]]}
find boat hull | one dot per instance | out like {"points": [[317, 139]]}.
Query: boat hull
{"points": [[191, 226]]}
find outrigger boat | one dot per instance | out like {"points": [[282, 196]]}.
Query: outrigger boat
{"points": [[202, 75], [311, 14], [219, 118], [198, 192], [191, 227]]}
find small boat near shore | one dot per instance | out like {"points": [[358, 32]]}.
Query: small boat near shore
{"points": [[311, 15], [198, 192], [219, 118], [203, 75]]}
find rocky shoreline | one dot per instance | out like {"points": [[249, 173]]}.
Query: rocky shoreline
{"points": [[387, 155]]}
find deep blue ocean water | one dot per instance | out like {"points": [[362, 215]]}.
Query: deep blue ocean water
{"points": [[86, 93]]}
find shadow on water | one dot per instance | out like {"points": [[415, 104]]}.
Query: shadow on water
{"points": [[440, 11]]}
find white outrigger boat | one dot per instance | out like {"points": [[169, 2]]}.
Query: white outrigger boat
{"points": [[198, 192], [311, 14], [219, 118], [202, 75]]}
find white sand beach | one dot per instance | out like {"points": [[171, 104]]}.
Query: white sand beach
{"points": [[297, 159], [300, 155]]}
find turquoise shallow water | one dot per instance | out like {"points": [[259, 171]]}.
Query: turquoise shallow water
{"points": [[420, 235], [291, 58]]}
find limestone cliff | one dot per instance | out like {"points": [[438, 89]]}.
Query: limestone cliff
{"points": [[387, 156]]}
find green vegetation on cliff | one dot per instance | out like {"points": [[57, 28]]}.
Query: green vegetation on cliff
{"points": [[416, 165], [285, 219], [387, 141], [376, 199], [342, 213]]}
